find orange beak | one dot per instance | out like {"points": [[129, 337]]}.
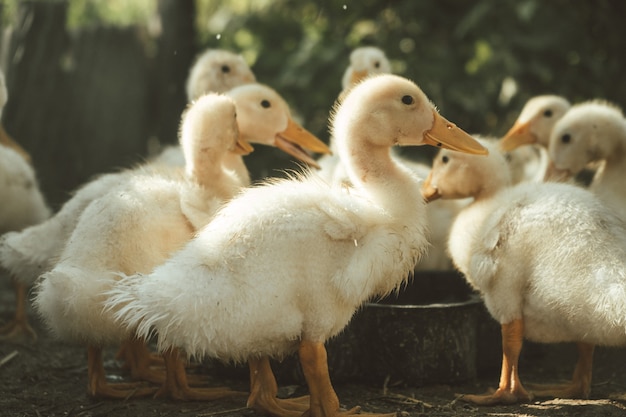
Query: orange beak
{"points": [[445, 134], [358, 76], [429, 192], [242, 147], [296, 140], [517, 136]]}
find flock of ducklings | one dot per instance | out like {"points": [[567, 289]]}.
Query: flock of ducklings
{"points": [[184, 250]]}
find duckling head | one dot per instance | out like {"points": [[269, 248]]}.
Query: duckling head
{"points": [[265, 118], [589, 132], [217, 70], [365, 61], [457, 175], [388, 110], [535, 122]]}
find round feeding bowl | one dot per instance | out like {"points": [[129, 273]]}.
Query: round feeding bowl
{"points": [[425, 334]]}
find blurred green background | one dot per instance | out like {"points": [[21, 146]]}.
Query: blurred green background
{"points": [[95, 85]]}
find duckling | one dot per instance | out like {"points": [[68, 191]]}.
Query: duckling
{"points": [[23, 205], [593, 132], [531, 250], [533, 127], [133, 228], [257, 294]]}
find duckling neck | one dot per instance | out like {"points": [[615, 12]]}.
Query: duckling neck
{"points": [[389, 184], [235, 163]]}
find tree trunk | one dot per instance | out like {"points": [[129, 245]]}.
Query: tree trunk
{"points": [[176, 52]]}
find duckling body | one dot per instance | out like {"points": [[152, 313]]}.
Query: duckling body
{"points": [[23, 203], [532, 250], [284, 266]]}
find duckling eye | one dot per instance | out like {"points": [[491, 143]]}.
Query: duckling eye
{"points": [[225, 69], [566, 138], [445, 159], [376, 64], [265, 104], [547, 113], [408, 100]]}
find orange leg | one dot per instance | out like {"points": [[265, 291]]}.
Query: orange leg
{"points": [[177, 387], [99, 387], [18, 328], [263, 390], [580, 386], [510, 390], [140, 361], [324, 401]]}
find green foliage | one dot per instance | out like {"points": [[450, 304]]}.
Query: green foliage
{"points": [[83, 13], [478, 61], [460, 53]]}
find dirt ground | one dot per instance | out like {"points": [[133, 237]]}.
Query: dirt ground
{"points": [[48, 378]]}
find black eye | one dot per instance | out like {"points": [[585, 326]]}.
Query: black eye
{"points": [[566, 138], [266, 104], [408, 100], [225, 68], [547, 113], [377, 64], [445, 159]]}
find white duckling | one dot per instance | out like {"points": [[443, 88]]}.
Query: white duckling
{"points": [[532, 250], [135, 227], [533, 127], [22, 205], [593, 132], [263, 117], [284, 266]]}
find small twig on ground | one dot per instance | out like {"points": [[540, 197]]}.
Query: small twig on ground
{"points": [[405, 400], [8, 357], [385, 384], [217, 413]]}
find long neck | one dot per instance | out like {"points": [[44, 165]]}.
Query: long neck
{"points": [[389, 184], [235, 162], [608, 181]]}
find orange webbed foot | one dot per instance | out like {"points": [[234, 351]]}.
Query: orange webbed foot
{"points": [[17, 331], [500, 396]]}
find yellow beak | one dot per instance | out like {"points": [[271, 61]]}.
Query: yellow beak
{"points": [[517, 136], [445, 134], [295, 140], [242, 147], [429, 192], [358, 76]]}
